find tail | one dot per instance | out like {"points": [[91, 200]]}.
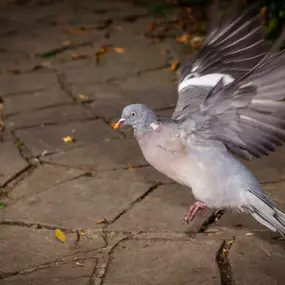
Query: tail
{"points": [[265, 212]]}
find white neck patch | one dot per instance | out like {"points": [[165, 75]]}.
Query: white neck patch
{"points": [[154, 126]]}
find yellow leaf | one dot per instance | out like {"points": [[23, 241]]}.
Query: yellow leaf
{"points": [[83, 97], [79, 31], [174, 65], [183, 39], [101, 221], [119, 50], [68, 139], [60, 235]]}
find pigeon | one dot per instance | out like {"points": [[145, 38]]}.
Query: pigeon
{"points": [[198, 145]]}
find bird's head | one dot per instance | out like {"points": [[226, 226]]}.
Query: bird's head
{"points": [[137, 116]]}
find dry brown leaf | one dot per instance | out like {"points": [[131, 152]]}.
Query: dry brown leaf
{"points": [[119, 50], [101, 51], [130, 167], [183, 39], [59, 234], [69, 139], [174, 65], [78, 31], [101, 221], [83, 97], [76, 56], [14, 70]]}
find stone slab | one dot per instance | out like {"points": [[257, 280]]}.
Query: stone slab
{"points": [[50, 138], [79, 203], [35, 100], [41, 179], [55, 114], [257, 261], [104, 155], [143, 262], [23, 248], [11, 161], [34, 81], [161, 210]]}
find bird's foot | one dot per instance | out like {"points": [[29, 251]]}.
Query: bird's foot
{"points": [[193, 211]]}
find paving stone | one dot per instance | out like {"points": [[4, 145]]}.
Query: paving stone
{"points": [[243, 222], [162, 210], [163, 262], [11, 162], [50, 138], [79, 203], [55, 114], [115, 65], [35, 100], [41, 179], [23, 248], [27, 82], [155, 89], [104, 155], [257, 261]]}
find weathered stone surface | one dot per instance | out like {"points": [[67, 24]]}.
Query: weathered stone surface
{"points": [[104, 155], [41, 179], [35, 100], [162, 210], [50, 138], [115, 65], [257, 261], [79, 203], [27, 82], [23, 248], [56, 114], [163, 262], [11, 162]]}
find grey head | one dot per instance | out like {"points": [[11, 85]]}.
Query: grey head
{"points": [[139, 116]]}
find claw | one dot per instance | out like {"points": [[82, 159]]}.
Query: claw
{"points": [[193, 211]]}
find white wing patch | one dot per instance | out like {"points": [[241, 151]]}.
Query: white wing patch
{"points": [[208, 80]]}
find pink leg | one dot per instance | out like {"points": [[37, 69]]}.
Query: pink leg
{"points": [[193, 211]]}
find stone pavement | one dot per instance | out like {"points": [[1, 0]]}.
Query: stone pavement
{"points": [[67, 69]]}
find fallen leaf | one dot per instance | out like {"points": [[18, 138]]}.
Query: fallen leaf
{"points": [[119, 50], [59, 234], [69, 139], [14, 70], [79, 264], [174, 65], [101, 221], [196, 42], [101, 51], [82, 233], [183, 39], [78, 31], [2, 205], [76, 56], [130, 167], [83, 97]]}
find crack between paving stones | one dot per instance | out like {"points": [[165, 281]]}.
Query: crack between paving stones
{"points": [[37, 226], [225, 267], [138, 200], [58, 261], [214, 217]]}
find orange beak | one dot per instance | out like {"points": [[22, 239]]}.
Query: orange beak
{"points": [[119, 124]]}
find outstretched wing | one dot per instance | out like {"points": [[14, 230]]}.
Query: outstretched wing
{"points": [[248, 116], [228, 51]]}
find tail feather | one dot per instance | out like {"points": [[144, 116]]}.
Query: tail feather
{"points": [[265, 212]]}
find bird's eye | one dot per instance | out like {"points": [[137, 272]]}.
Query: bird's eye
{"points": [[133, 113]]}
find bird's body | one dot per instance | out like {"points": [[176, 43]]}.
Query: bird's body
{"points": [[233, 112]]}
